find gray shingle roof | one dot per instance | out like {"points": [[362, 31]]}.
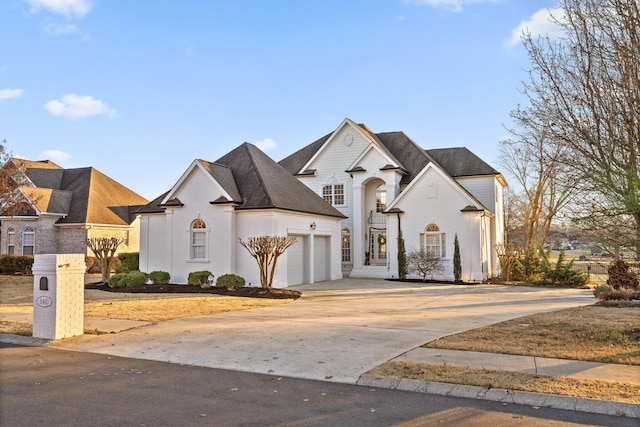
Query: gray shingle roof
{"points": [[263, 183], [255, 181], [297, 160], [154, 205], [457, 162], [460, 161], [223, 176]]}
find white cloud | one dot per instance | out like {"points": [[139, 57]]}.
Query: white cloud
{"points": [[451, 5], [266, 144], [60, 29], [55, 156], [69, 8], [10, 93], [540, 23], [78, 107]]}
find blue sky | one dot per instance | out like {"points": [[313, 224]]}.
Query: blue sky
{"points": [[139, 89]]}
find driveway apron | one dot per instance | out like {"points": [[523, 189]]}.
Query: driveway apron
{"points": [[336, 331]]}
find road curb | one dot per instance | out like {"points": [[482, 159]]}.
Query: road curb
{"points": [[594, 406], [22, 340]]}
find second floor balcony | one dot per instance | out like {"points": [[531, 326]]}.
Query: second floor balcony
{"points": [[376, 218]]}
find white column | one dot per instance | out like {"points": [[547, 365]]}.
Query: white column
{"points": [[357, 237]]}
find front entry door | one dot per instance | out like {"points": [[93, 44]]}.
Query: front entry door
{"points": [[378, 246]]}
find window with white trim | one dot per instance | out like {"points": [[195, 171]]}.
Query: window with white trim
{"points": [[346, 245], [28, 241], [381, 198], [333, 194], [11, 235], [198, 239], [433, 241]]}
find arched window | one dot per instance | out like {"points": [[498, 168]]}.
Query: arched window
{"points": [[433, 241], [346, 245], [28, 241], [381, 198], [198, 239], [11, 236]]}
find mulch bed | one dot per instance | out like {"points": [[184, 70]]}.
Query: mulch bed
{"points": [[249, 292]]}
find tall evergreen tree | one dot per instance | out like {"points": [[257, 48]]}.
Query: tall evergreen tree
{"points": [[457, 264]]}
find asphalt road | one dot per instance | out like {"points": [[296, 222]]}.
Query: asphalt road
{"points": [[44, 386]]}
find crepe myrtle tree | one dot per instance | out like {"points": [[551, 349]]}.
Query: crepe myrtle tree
{"points": [[266, 250], [104, 249]]}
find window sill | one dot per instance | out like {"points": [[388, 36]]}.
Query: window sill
{"points": [[199, 261]]}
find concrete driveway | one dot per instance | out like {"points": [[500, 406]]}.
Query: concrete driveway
{"points": [[335, 332]]}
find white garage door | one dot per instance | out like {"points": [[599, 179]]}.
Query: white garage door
{"points": [[320, 258], [295, 262]]}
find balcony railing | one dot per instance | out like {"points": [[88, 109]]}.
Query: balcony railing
{"points": [[376, 218]]}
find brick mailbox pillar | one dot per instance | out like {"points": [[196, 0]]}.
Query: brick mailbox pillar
{"points": [[58, 295]]}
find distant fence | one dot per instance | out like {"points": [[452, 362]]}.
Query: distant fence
{"points": [[597, 271]]}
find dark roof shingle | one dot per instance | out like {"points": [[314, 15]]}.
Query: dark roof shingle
{"points": [[263, 183], [457, 162]]}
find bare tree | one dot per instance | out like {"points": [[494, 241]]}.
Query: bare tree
{"points": [[266, 250], [585, 85], [599, 223], [104, 248], [12, 200], [424, 263], [515, 208], [537, 165]]}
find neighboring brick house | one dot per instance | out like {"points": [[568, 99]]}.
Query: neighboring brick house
{"points": [[65, 207]]}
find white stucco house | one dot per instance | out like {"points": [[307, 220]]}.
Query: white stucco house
{"points": [[384, 182], [345, 197], [196, 225]]}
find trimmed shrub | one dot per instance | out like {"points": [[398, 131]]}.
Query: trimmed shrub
{"points": [[136, 278], [121, 269], [199, 278], [403, 265], [118, 280], [457, 264], [132, 278], [159, 277], [128, 262], [230, 281], [16, 264]]}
